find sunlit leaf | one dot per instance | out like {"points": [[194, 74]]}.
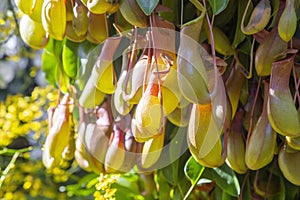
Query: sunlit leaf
{"points": [[70, 59], [193, 170], [52, 65], [49, 66], [128, 187]]}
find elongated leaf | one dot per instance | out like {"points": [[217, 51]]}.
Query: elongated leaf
{"points": [[246, 193], [52, 65], [174, 15], [227, 14], [239, 36], [88, 60], [226, 179], [226, 196], [178, 195], [173, 173], [282, 193], [50, 60], [49, 66], [275, 8], [164, 186], [62, 80], [70, 59], [217, 193], [129, 181], [177, 146], [292, 190], [170, 173], [128, 187], [125, 193], [78, 189], [147, 5], [218, 5]]}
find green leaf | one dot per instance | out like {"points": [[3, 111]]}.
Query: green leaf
{"points": [[174, 15], [80, 188], [177, 154], [246, 193], [87, 64], [189, 12], [227, 15], [194, 25], [217, 193], [82, 192], [129, 181], [128, 187], [239, 35], [49, 66], [298, 11], [292, 190], [227, 180], [147, 5], [281, 195], [193, 170], [218, 5], [62, 80], [164, 186], [170, 173], [226, 196], [52, 65], [177, 194], [125, 193], [275, 8], [70, 59]]}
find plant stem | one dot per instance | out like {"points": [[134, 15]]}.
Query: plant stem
{"points": [[252, 111], [194, 184], [13, 151], [9, 167]]}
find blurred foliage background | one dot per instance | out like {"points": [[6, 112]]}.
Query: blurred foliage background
{"points": [[25, 97]]}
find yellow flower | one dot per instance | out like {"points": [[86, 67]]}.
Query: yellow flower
{"points": [[22, 104], [26, 155], [97, 195], [12, 109], [38, 114], [37, 184], [35, 125], [2, 122], [109, 193], [34, 107], [35, 93], [7, 126], [4, 139], [10, 116], [8, 196], [26, 115], [18, 195], [27, 185]]}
